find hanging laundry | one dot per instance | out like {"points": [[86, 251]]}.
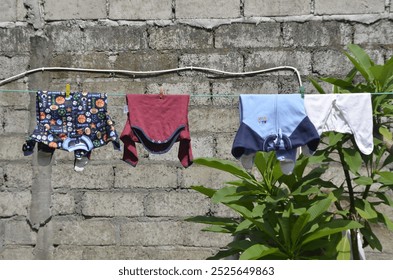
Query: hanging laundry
{"points": [[157, 122], [273, 122], [78, 123], [344, 113]]}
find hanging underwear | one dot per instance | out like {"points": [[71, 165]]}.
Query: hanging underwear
{"points": [[273, 122], [344, 113], [157, 122], [78, 123]]}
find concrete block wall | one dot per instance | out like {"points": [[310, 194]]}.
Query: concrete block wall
{"points": [[114, 211]]}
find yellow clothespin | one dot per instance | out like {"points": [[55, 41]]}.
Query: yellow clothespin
{"points": [[68, 90]]}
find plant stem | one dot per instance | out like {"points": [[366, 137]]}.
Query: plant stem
{"points": [[352, 209]]}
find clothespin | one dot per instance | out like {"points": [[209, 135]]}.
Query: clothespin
{"points": [[161, 93], [68, 90], [302, 91]]}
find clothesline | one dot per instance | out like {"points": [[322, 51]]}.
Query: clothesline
{"points": [[159, 72], [154, 72], [191, 95]]}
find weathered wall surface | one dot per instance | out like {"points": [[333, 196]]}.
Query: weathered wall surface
{"points": [[114, 211]]}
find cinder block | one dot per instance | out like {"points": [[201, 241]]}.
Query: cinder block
{"points": [[114, 253], [14, 203], [269, 59], [179, 37], [315, 34], [65, 252], [11, 148], [198, 175], [17, 253], [13, 171], [221, 210], [331, 62], [89, 60], [92, 177], [216, 120], [2, 176], [146, 61], [21, 11], [133, 253], [115, 38], [176, 204], [225, 61], [202, 146], [16, 121], [146, 233], [12, 10], [74, 9], [223, 147], [171, 233], [107, 154], [18, 232], [265, 34], [276, 7], [15, 99], [379, 33], [227, 92], [8, 10], [349, 7], [11, 66], [179, 253], [194, 236], [170, 156], [66, 39], [145, 176], [140, 9], [108, 204], [85, 232], [63, 204], [199, 91], [116, 88], [207, 9]]}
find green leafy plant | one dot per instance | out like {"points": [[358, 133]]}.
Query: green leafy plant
{"points": [[302, 216], [280, 216], [368, 180]]}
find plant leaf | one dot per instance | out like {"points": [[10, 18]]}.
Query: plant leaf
{"points": [[206, 191], [257, 251], [385, 198], [244, 225], [365, 209], [298, 227], [212, 220], [344, 248], [319, 208], [340, 83], [353, 159], [384, 219], [386, 178], [224, 165], [218, 229], [317, 86], [361, 61], [331, 227], [371, 238], [363, 180], [385, 133]]}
